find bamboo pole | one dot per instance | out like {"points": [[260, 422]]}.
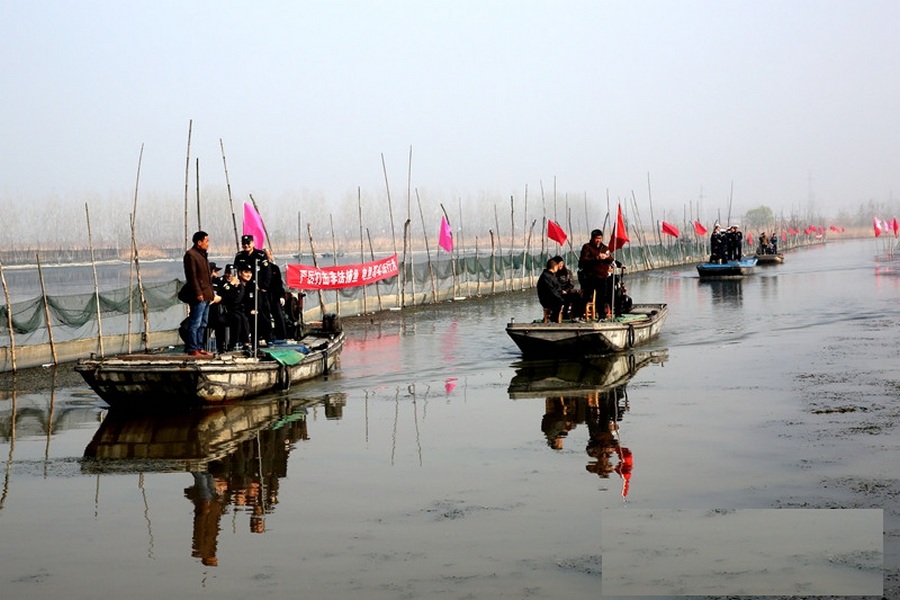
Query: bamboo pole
{"points": [[454, 281], [9, 319], [498, 252], [133, 250], [312, 249], [656, 232], [544, 230], [96, 282], [407, 247], [427, 250], [187, 171], [525, 234], [461, 246], [477, 270], [137, 268], [512, 239], [401, 284], [334, 261], [362, 255], [493, 259], [197, 179], [237, 243], [299, 238], [265, 231], [46, 309], [377, 283], [527, 248]]}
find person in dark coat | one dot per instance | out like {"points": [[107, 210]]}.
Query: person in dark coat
{"points": [[573, 305], [717, 245], [276, 300], [233, 329], [199, 294], [550, 291], [595, 269]]}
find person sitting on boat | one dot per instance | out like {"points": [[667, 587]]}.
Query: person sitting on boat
{"points": [[549, 290], [573, 305], [717, 245], [233, 329], [595, 269], [774, 242]]}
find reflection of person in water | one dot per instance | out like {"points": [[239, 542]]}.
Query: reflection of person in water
{"points": [[247, 479], [557, 421], [209, 504], [603, 413]]}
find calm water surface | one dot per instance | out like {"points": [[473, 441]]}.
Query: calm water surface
{"points": [[436, 463]]}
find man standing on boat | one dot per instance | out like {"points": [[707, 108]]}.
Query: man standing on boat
{"points": [[595, 267], [201, 294]]}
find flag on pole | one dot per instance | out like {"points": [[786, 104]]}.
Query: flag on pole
{"points": [[895, 226], [670, 229], [620, 236], [556, 233], [877, 225], [253, 225], [699, 229], [445, 240]]}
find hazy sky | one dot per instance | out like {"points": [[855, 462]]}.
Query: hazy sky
{"points": [[786, 100]]}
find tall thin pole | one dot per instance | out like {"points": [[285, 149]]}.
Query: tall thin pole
{"points": [[230, 199], [96, 282], [133, 250], [187, 177], [427, 250], [265, 231], [197, 179], [46, 309], [9, 320], [312, 250]]}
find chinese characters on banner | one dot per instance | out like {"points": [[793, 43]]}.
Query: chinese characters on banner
{"points": [[305, 277]]}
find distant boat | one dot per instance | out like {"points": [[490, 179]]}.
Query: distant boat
{"points": [[770, 259], [728, 270]]}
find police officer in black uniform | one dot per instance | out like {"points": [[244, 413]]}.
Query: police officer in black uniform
{"points": [[256, 260]]}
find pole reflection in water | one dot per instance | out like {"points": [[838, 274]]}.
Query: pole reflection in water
{"points": [[236, 455], [586, 392]]}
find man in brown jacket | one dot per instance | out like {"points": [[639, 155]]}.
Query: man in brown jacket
{"points": [[199, 283], [595, 264]]}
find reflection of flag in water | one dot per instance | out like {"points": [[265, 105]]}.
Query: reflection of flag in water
{"points": [[450, 384], [699, 229], [556, 233], [626, 464], [445, 240]]}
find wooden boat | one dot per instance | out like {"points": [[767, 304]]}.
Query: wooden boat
{"points": [[589, 338], [168, 378], [770, 259], [730, 269], [581, 377]]}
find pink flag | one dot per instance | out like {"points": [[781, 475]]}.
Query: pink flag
{"points": [[445, 240], [670, 229], [556, 233], [253, 225]]}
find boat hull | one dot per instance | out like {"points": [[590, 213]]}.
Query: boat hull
{"points": [[165, 380], [729, 270], [769, 259], [589, 338]]}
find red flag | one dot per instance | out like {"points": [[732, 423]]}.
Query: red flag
{"points": [[253, 225], [699, 229], [749, 238], [445, 240], [555, 233], [877, 225], [895, 226], [620, 236], [670, 229]]}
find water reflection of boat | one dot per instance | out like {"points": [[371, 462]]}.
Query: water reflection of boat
{"points": [[589, 393], [539, 378], [235, 453]]}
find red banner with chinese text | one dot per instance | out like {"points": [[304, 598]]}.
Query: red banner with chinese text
{"points": [[305, 277]]}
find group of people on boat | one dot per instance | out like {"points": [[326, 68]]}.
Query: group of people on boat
{"points": [[245, 306], [726, 246], [600, 284], [768, 244]]}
